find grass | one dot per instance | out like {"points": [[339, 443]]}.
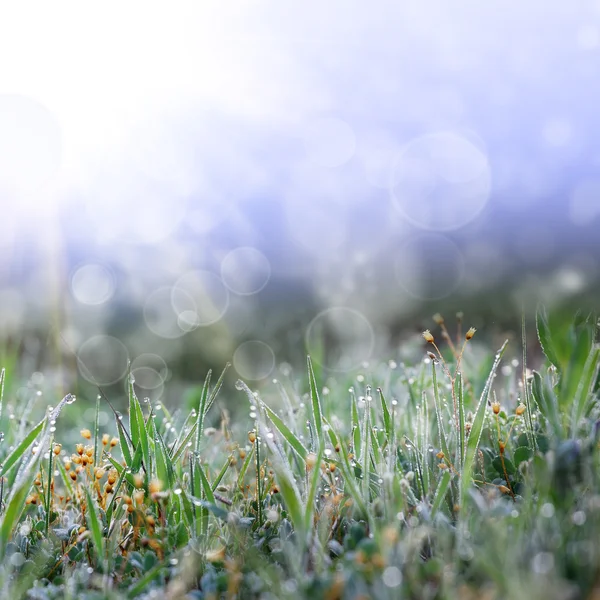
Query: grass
{"points": [[464, 476]]}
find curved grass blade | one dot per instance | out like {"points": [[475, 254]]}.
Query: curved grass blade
{"points": [[20, 450]]}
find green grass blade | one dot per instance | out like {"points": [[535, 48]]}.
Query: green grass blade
{"points": [[585, 388], [20, 450], [94, 525], [124, 444], [477, 428], [183, 445], [545, 336], [221, 474], [164, 468], [288, 490], [440, 493], [97, 432], [216, 389], [141, 584], [311, 493], [459, 392], [316, 402], [2, 378], [201, 411], [387, 420], [285, 431], [526, 392], [438, 412], [16, 504], [245, 466]]}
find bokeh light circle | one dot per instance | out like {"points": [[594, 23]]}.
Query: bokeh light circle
{"points": [[254, 360], [340, 339], [245, 271], [103, 359], [92, 284], [149, 371], [440, 181], [199, 299], [429, 266], [159, 315], [329, 142]]}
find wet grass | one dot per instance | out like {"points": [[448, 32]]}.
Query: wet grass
{"points": [[464, 475]]}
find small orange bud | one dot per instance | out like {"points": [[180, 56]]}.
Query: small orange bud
{"points": [[105, 439], [428, 337], [496, 407], [252, 436], [443, 465], [520, 409], [470, 333], [438, 319], [155, 486], [440, 455], [113, 442], [73, 475], [311, 460], [79, 449], [57, 448], [504, 489], [86, 434]]}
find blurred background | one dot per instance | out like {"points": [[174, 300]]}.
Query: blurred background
{"points": [[188, 184]]}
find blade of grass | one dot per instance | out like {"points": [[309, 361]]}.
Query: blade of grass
{"points": [[585, 389], [440, 493], [20, 450], [201, 411], [529, 410], [438, 412], [477, 428], [316, 402], [182, 446], [217, 388], [94, 525], [387, 421]]}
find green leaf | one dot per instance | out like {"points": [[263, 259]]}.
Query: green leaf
{"points": [[497, 464], [522, 454]]}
